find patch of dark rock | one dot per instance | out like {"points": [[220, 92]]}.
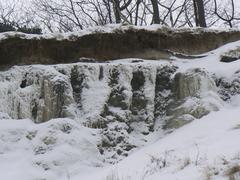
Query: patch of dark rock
{"points": [[120, 139], [227, 88], [98, 123], [119, 152], [107, 143], [31, 135], [101, 151], [138, 80], [101, 73], [114, 77], [136, 61], [35, 110], [145, 133], [23, 83], [40, 150], [77, 80], [59, 90], [139, 101], [163, 89], [66, 128], [228, 59], [116, 97], [129, 147]]}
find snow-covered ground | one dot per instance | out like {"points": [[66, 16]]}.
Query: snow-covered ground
{"points": [[207, 146], [63, 149]]}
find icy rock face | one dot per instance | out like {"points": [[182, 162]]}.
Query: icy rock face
{"points": [[192, 83], [125, 102], [195, 95], [34, 93], [56, 98]]}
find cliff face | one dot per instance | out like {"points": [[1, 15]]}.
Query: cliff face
{"points": [[103, 45], [126, 102], [121, 100]]}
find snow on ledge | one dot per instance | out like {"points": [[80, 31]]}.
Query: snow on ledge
{"points": [[110, 28]]}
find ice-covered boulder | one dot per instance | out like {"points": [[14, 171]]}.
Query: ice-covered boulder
{"points": [[195, 95], [230, 56], [192, 83], [228, 87]]}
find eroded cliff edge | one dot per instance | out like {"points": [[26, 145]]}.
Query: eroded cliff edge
{"points": [[109, 43]]}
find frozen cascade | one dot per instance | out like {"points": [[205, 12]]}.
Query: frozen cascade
{"points": [[123, 101]]}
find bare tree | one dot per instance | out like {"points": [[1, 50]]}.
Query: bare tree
{"points": [[65, 14], [74, 15], [199, 12], [119, 6], [156, 17], [227, 13], [16, 17], [173, 13]]}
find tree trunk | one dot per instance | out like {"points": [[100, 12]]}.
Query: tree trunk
{"points": [[156, 17], [199, 13], [116, 7]]}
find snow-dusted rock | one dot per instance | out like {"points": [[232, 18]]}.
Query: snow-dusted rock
{"points": [[4, 116], [195, 95], [229, 86], [193, 83], [230, 56], [36, 93]]}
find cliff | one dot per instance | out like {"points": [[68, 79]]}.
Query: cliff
{"points": [[109, 43]]}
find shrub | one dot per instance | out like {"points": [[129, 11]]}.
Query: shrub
{"points": [[6, 27], [32, 30]]}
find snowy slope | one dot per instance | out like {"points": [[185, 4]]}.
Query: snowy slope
{"points": [[64, 148], [209, 145]]}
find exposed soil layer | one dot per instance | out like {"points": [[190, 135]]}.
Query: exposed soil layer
{"points": [[131, 43]]}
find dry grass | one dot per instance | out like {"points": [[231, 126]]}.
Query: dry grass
{"points": [[233, 173]]}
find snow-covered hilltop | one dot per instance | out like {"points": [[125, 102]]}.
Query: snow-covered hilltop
{"points": [[129, 119]]}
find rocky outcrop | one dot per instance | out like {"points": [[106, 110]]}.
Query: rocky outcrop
{"points": [[230, 56], [40, 94], [125, 102], [104, 45], [195, 95], [228, 86]]}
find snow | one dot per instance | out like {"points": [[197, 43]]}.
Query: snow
{"points": [[207, 141], [64, 149]]}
